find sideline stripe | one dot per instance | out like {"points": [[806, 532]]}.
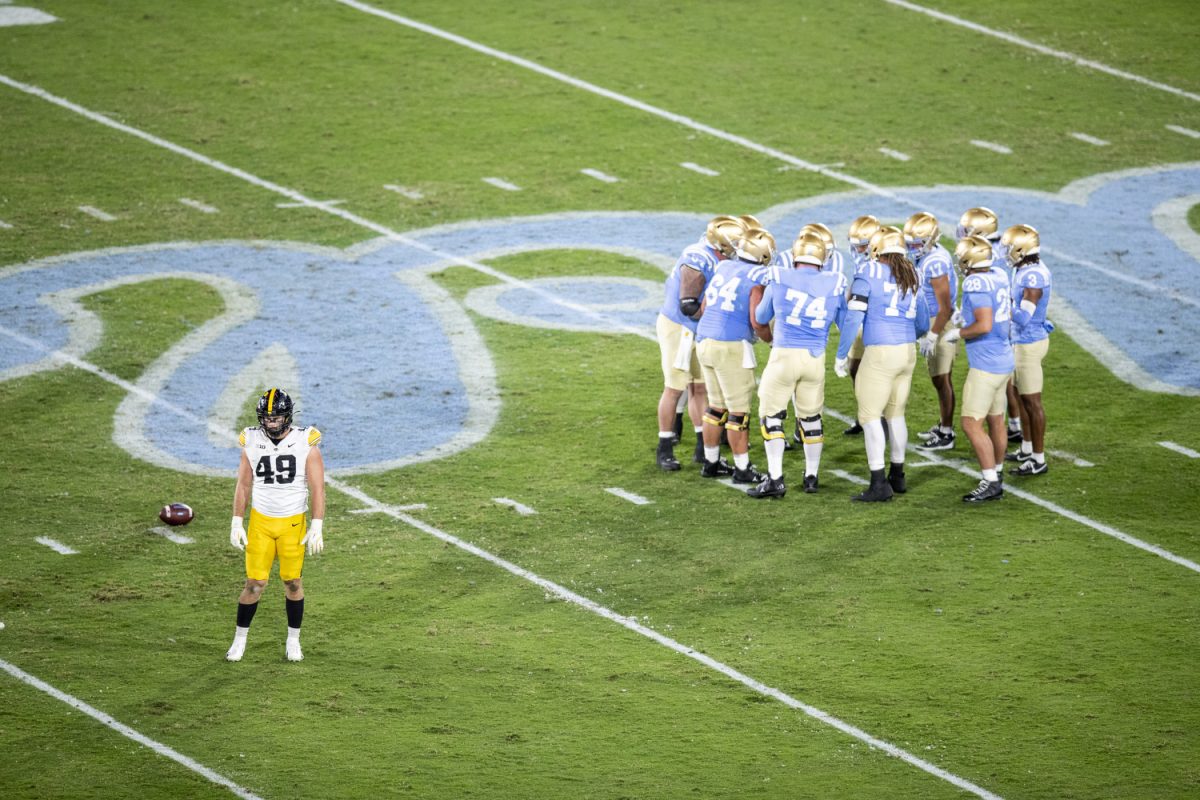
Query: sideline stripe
{"points": [[732, 138], [500, 183], [995, 148], [1085, 137], [896, 154], [1184, 131], [92, 211], [694, 167], [636, 499], [56, 546], [125, 730], [1178, 448], [521, 508], [418, 244], [371, 505], [196, 204], [1048, 51], [170, 535], [1107, 530], [600, 176]]}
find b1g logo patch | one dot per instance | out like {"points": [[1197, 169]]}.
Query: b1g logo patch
{"points": [[393, 371]]}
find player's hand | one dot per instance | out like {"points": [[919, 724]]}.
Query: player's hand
{"points": [[956, 319], [314, 539], [237, 534], [841, 367], [952, 335], [927, 343]]}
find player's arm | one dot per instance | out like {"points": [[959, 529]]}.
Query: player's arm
{"points": [[941, 290], [241, 496], [691, 290], [981, 325], [760, 297], [314, 467], [1024, 311], [856, 312]]}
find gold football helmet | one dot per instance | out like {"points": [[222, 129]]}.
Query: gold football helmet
{"points": [[861, 231], [823, 231], [810, 248], [756, 246], [888, 239], [978, 221], [921, 233], [722, 234], [750, 221], [971, 253], [1023, 241]]}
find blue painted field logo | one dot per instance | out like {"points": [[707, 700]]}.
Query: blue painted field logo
{"points": [[392, 368]]}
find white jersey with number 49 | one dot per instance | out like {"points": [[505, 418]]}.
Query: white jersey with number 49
{"points": [[279, 469]]}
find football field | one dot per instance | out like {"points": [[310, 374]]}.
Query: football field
{"points": [[444, 228]]}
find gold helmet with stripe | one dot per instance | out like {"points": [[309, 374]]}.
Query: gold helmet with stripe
{"points": [[921, 232], [978, 221], [972, 253], [757, 246], [722, 234], [1020, 242], [888, 239], [810, 248]]}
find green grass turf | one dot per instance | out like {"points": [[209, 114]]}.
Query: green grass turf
{"points": [[1028, 653]]}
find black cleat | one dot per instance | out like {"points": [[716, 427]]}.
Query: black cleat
{"points": [[666, 456], [1014, 436], [853, 430], [677, 429], [896, 478], [810, 484], [925, 436], [1019, 457], [986, 490], [941, 441], [1031, 467], [880, 491], [747, 475], [716, 469], [770, 487]]}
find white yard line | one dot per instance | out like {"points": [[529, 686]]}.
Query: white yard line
{"points": [[196, 204], [500, 183], [5, 225], [128, 732], [171, 536], [56, 546], [379, 508], [1084, 137], [600, 176], [92, 211], [896, 154], [411, 194], [846, 476], [1184, 131], [1048, 51], [521, 508], [636, 499], [1178, 448], [995, 148], [694, 167]]}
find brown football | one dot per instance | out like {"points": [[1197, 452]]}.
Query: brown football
{"points": [[176, 514]]}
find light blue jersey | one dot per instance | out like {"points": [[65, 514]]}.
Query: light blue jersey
{"points": [[1029, 328], [935, 264], [699, 257], [891, 317], [991, 352], [805, 301], [727, 303]]}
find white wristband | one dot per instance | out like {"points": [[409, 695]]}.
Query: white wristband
{"points": [[1028, 306], [237, 521]]}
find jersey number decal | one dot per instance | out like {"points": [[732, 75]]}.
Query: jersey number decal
{"points": [[891, 310], [726, 291], [1003, 306], [815, 311], [283, 472]]}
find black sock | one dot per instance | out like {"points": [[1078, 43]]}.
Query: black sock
{"points": [[246, 613], [295, 611]]}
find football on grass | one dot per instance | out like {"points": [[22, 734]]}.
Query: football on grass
{"points": [[176, 514]]}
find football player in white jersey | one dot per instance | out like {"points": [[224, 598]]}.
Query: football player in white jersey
{"points": [[280, 470], [859, 236], [939, 283]]}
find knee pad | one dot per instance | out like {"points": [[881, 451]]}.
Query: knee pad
{"points": [[772, 426], [811, 431], [737, 422], [714, 417]]}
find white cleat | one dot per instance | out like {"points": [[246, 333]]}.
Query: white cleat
{"points": [[293, 650], [236, 650]]}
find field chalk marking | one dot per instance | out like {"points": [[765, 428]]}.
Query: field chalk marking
{"points": [[521, 508], [196, 204], [56, 546], [995, 148], [1184, 131], [1085, 137], [411, 194], [500, 183], [92, 211], [1178, 448], [126, 731], [896, 154], [172, 536], [600, 176], [694, 167], [636, 499]]}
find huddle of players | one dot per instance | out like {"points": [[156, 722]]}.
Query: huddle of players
{"points": [[728, 288]]}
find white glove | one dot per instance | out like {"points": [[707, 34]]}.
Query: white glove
{"points": [[952, 335], [841, 367], [926, 343], [956, 319], [314, 539], [237, 534]]}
